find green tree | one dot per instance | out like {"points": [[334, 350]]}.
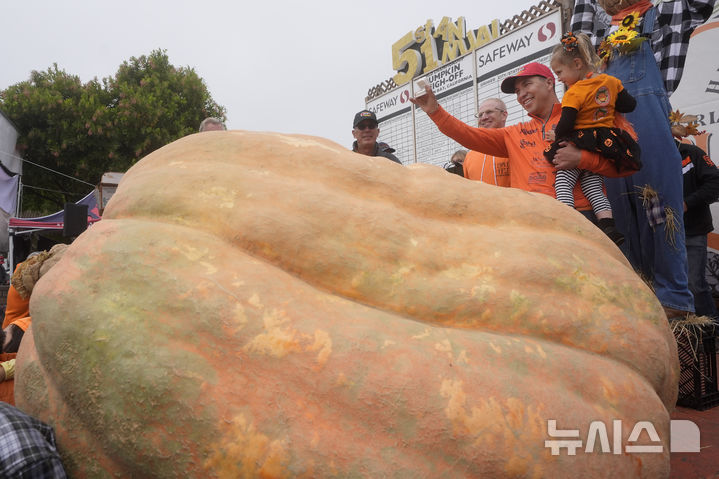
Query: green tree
{"points": [[71, 131]]}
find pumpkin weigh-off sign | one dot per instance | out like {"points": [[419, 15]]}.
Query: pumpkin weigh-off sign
{"points": [[267, 305]]}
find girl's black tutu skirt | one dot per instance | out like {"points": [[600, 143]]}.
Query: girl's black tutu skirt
{"points": [[614, 144]]}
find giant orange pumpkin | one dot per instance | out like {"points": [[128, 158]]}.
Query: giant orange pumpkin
{"points": [[267, 305]]}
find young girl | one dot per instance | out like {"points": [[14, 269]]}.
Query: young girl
{"points": [[587, 120]]}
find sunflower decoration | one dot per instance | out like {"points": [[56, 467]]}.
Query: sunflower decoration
{"points": [[605, 51], [621, 37], [625, 40], [631, 21]]}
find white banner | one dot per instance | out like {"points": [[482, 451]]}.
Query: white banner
{"points": [[390, 103], [448, 77], [511, 51], [698, 92]]}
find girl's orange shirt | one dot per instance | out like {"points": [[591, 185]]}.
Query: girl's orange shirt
{"points": [[594, 100]]}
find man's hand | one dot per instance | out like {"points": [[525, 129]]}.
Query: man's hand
{"points": [[427, 102], [567, 157]]}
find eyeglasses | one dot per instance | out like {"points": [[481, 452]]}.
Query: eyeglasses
{"points": [[487, 112], [365, 126]]}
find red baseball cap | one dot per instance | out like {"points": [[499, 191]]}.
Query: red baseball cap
{"points": [[529, 70]]}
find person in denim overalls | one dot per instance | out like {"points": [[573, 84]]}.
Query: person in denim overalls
{"points": [[653, 245]]}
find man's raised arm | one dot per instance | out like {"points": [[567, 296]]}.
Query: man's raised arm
{"points": [[484, 140]]}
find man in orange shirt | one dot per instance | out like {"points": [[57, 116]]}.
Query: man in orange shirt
{"points": [[478, 166], [17, 307], [524, 143]]}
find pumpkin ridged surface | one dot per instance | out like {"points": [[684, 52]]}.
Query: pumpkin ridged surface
{"points": [[257, 304]]}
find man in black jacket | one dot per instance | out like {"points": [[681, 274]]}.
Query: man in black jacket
{"points": [[365, 130], [701, 188]]}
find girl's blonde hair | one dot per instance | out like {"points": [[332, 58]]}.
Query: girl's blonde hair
{"points": [[576, 46]]}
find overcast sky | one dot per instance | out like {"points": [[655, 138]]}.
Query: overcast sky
{"points": [[291, 67]]}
